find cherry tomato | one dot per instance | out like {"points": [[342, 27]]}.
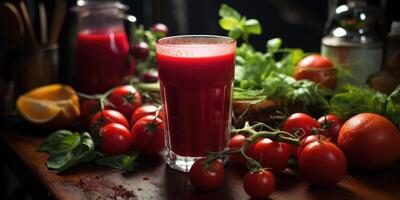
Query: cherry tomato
{"points": [[206, 176], [272, 154], [318, 69], [332, 125], [259, 185], [308, 140], [150, 76], [148, 135], [322, 163], [107, 116], [236, 143], [143, 111], [125, 99], [301, 125], [88, 108], [116, 139], [141, 50], [160, 29]]}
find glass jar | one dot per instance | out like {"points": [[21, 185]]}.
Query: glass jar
{"points": [[354, 39], [102, 46]]}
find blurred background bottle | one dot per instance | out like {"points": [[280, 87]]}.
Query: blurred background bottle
{"points": [[354, 38], [387, 79]]}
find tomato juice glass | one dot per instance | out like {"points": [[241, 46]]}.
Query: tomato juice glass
{"points": [[196, 75]]}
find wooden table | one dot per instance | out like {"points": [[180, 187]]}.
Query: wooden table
{"points": [[153, 179]]}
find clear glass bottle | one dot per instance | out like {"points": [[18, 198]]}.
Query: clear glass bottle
{"points": [[354, 40]]}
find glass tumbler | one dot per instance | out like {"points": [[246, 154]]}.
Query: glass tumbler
{"points": [[196, 75]]}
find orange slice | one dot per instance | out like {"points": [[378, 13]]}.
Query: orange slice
{"points": [[51, 106]]}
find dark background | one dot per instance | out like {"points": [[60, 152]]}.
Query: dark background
{"points": [[300, 23]]}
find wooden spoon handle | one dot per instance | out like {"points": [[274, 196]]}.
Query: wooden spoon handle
{"points": [[28, 23], [60, 10], [43, 23]]}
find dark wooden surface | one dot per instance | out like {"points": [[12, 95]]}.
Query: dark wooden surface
{"points": [[153, 179]]}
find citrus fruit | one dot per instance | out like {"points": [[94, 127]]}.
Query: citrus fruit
{"points": [[369, 141], [50, 106]]}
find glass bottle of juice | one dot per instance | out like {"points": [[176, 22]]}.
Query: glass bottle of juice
{"points": [[102, 46], [354, 39]]}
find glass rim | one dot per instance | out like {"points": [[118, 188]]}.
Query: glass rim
{"points": [[163, 41], [82, 5]]}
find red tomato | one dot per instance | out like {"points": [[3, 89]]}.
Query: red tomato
{"points": [[308, 140], [272, 154], [148, 135], [140, 50], [160, 29], [302, 122], [259, 185], [205, 177], [116, 139], [236, 143], [318, 69], [322, 163], [105, 117], [143, 111], [332, 125], [88, 108], [150, 76], [125, 99]]}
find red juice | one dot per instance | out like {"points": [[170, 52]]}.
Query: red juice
{"points": [[102, 60], [197, 93]]}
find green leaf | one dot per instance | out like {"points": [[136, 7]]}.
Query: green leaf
{"points": [[228, 23], [273, 45], [393, 106], [59, 142], [227, 11], [81, 153], [355, 100], [121, 162], [235, 33], [252, 26], [65, 144]]}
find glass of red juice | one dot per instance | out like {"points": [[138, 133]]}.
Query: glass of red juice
{"points": [[196, 77]]}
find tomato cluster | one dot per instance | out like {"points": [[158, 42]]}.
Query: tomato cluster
{"points": [[320, 161], [144, 131]]}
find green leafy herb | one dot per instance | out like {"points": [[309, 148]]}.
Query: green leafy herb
{"points": [[355, 100], [141, 34], [67, 149], [267, 74], [238, 25], [121, 162], [60, 142]]}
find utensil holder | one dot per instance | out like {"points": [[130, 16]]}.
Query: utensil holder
{"points": [[34, 67]]}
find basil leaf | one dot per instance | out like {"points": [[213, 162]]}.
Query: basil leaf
{"points": [[273, 45], [83, 152], [228, 23], [252, 26], [121, 162], [235, 33], [59, 141], [227, 11], [65, 144]]}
